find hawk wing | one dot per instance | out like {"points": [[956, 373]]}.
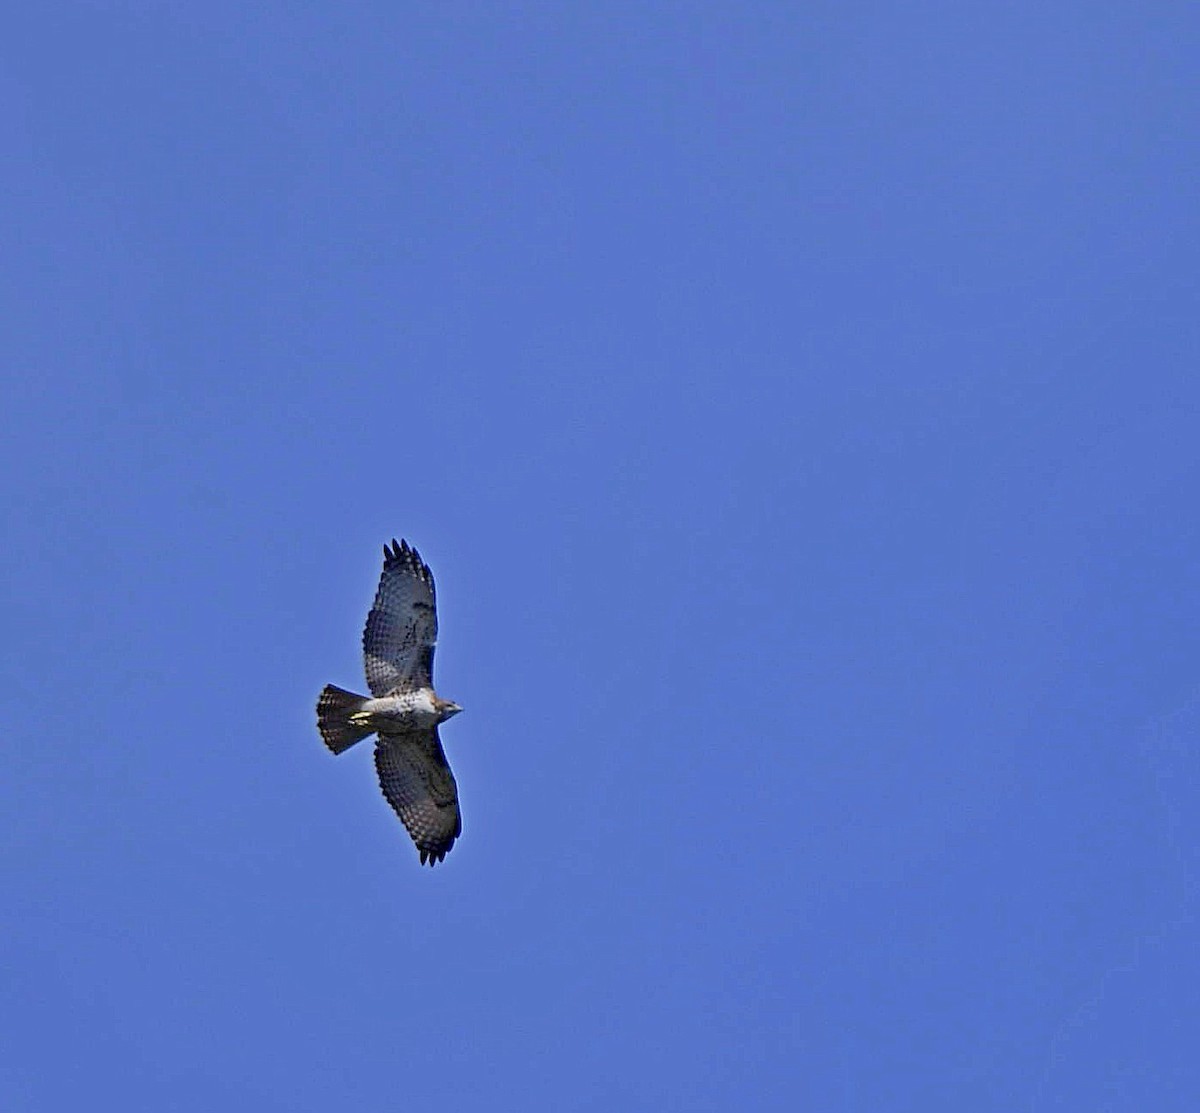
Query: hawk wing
{"points": [[402, 627], [416, 779]]}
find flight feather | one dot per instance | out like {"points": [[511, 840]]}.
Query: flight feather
{"points": [[401, 629]]}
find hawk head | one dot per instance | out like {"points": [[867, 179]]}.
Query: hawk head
{"points": [[445, 708]]}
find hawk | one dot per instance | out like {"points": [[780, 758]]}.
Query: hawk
{"points": [[403, 709]]}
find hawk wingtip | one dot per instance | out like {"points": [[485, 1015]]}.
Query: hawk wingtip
{"points": [[432, 857], [402, 553], [399, 550]]}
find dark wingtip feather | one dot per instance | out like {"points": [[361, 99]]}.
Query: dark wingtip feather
{"points": [[432, 857], [402, 553]]}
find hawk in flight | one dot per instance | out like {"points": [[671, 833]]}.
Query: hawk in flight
{"points": [[405, 710]]}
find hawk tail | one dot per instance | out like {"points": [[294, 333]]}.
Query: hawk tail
{"points": [[335, 710]]}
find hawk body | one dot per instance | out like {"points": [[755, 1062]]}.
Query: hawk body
{"points": [[403, 709]]}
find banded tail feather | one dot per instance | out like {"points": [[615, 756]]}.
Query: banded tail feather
{"points": [[335, 710]]}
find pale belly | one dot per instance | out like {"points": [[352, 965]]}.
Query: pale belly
{"points": [[394, 714]]}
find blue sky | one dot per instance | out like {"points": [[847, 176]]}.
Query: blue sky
{"points": [[798, 406]]}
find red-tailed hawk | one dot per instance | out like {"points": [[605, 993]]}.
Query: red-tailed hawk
{"points": [[405, 712]]}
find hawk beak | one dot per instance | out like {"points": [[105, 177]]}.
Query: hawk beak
{"points": [[453, 709]]}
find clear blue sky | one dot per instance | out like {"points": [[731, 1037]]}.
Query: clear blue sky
{"points": [[799, 407]]}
